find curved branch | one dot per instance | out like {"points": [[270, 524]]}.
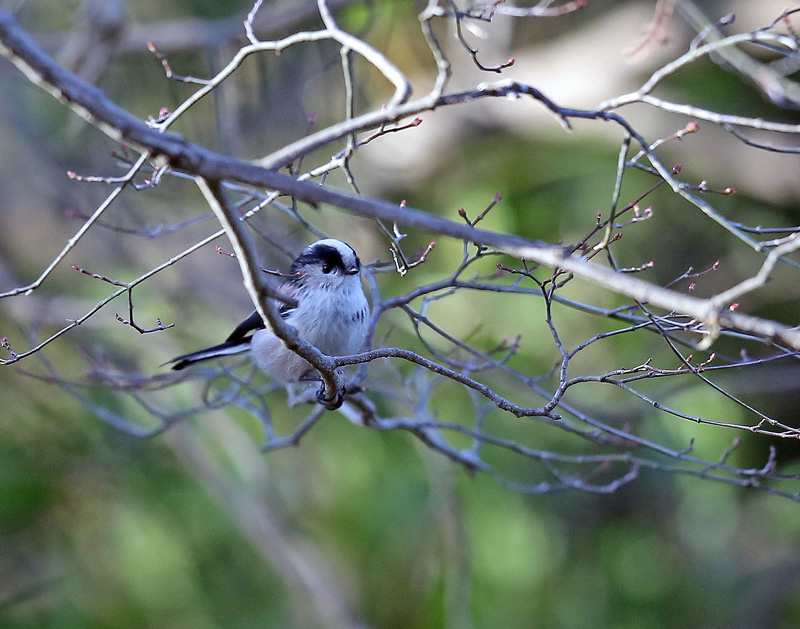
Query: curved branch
{"points": [[395, 352]]}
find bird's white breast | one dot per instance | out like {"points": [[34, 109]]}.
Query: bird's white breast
{"points": [[334, 319]]}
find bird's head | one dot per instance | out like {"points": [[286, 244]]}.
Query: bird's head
{"points": [[328, 262]]}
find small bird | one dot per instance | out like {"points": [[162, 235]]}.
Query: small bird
{"points": [[332, 314]]}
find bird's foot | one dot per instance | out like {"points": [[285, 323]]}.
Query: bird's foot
{"points": [[333, 404]]}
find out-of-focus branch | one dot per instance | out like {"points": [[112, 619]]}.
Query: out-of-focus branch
{"points": [[318, 591], [80, 233], [401, 85], [188, 34], [726, 45], [15, 357], [769, 78]]}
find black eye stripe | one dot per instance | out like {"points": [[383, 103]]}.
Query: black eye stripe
{"points": [[324, 255]]}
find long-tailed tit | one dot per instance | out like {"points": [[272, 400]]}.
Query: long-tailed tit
{"points": [[331, 313]]}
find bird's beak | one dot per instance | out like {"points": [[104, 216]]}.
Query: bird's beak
{"points": [[352, 271]]}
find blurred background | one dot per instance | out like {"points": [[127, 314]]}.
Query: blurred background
{"points": [[196, 527]]}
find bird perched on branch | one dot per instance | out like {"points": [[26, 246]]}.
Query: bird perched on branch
{"points": [[331, 313]]}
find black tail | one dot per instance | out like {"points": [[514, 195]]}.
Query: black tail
{"points": [[229, 348]]}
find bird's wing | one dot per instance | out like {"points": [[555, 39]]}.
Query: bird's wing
{"points": [[254, 321]]}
